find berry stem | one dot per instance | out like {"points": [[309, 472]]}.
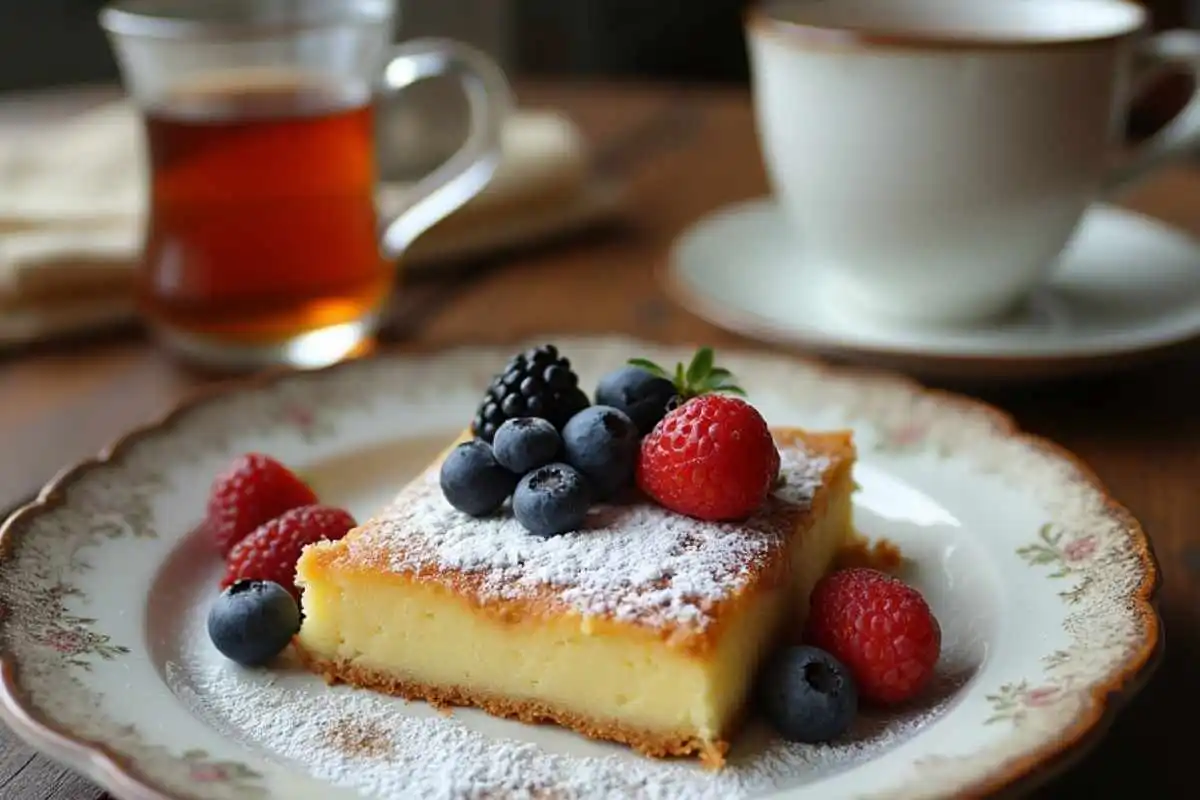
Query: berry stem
{"points": [[701, 366], [697, 378]]}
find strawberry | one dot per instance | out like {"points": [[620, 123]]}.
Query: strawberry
{"points": [[254, 489], [712, 457], [270, 553], [880, 628]]}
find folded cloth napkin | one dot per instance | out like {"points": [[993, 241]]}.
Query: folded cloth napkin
{"points": [[73, 198]]}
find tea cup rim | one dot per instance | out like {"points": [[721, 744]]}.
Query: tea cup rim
{"points": [[154, 19], [763, 18]]}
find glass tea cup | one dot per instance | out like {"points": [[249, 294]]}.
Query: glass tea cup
{"points": [[263, 245]]}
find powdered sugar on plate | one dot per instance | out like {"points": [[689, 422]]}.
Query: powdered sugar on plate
{"points": [[634, 562], [383, 747]]}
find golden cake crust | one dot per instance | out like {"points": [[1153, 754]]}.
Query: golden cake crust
{"points": [[369, 551], [655, 744]]}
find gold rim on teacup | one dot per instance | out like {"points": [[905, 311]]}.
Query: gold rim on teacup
{"points": [[771, 17]]}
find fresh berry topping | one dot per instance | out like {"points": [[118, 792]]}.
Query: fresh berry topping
{"points": [[880, 628], [254, 489], [473, 481], [271, 552], [602, 443], [252, 621], [642, 395], [551, 500], [712, 458], [807, 695], [536, 383], [526, 443]]}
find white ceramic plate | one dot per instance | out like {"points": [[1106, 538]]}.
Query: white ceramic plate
{"points": [[1126, 290], [1044, 587]]}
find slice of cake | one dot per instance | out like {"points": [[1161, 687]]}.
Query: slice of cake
{"points": [[644, 626]]}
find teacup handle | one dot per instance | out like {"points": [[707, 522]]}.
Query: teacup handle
{"points": [[1181, 136], [467, 172]]}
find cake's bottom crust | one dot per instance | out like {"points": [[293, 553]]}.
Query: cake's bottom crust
{"points": [[655, 744]]}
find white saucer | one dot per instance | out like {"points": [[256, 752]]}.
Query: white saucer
{"points": [[1127, 289]]}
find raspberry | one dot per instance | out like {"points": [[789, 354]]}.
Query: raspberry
{"points": [[712, 458], [254, 489], [270, 553], [880, 628]]}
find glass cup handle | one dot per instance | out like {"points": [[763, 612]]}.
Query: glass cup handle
{"points": [[467, 172], [1178, 49]]}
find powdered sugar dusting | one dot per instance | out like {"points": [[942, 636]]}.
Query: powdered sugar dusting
{"points": [[636, 561], [382, 747]]}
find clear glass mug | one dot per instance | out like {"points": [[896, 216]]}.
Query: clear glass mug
{"points": [[263, 246]]}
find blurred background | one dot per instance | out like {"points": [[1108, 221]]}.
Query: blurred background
{"points": [[49, 42]]}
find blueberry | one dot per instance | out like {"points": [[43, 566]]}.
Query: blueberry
{"points": [[252, 621], [602, 443], [526, 443], [473, 481], [807, 695], [567, 404], [551, 500], [644, 397]]}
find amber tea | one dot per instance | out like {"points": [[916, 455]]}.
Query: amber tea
{"points": [[262, 221]]}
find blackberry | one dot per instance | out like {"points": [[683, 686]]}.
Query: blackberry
{"points": [[536, 383]]}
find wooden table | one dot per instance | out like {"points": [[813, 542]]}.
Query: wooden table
{"points": [[683, 153]]}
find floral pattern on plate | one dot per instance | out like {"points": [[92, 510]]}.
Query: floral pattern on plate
{"points": [[75, 642]]}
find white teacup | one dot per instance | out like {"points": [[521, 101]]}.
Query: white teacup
{"points": [[934, 156]]}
